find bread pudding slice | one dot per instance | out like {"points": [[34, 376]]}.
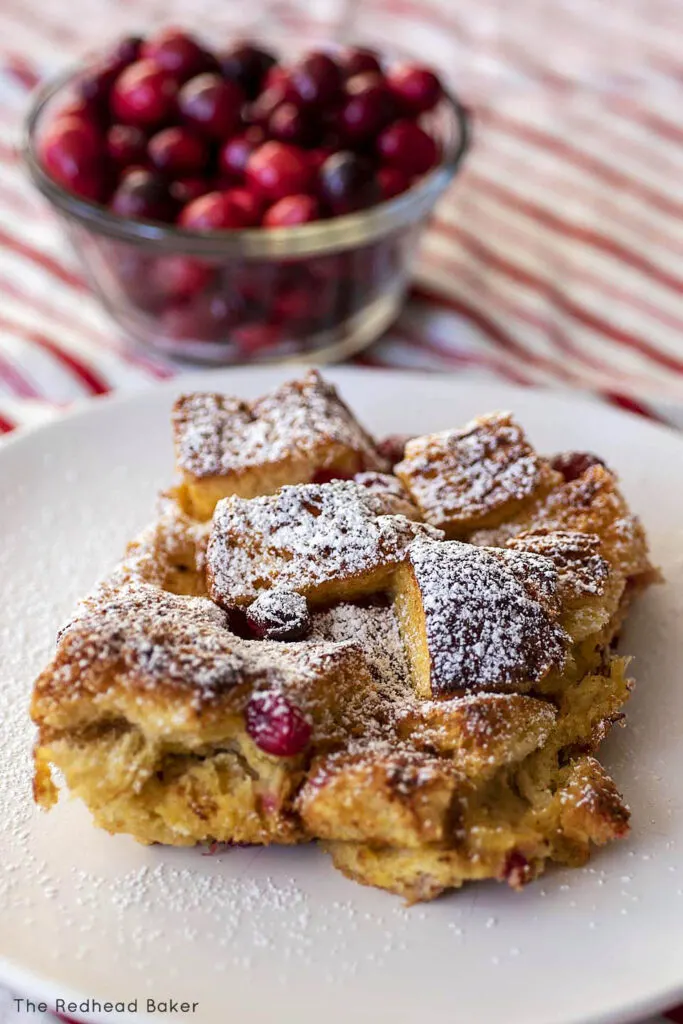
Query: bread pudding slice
{"points": [[144, 710], [434, 716]]}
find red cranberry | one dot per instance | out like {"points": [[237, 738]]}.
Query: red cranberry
{"points": [[177, 151], [233, 154], [127, 50], [516, 870], [407, 146], [126, 145], [143, 195], [216, 211], [254, 338], [180, 277], [211, 105], [572, 465], [276, 170], [143, 94], [70, 151], [95, 84], [177, 53], [317, 157], [279, 615], [392, 181], [357, 60], [316, 80], [289, 123], [294, 305], [247, 65], [276, 76], [292, 210], [393, 447], [249, 204], [417, 89], [262, 109], [348, 183], [368, 108], [184, 190], [276, 726]]}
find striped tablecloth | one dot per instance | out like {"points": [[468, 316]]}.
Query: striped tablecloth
{"points": [[556, 259]]}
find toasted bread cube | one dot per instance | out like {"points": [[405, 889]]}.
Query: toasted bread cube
{"points": [[381, 796], [477, 476], [482, 733], [473, 620], [226, 446], [329, 542], [592, 504]]}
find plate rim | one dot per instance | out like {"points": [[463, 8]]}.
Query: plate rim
{"points": [[94, 406], [637, 1012], [12, 974]]}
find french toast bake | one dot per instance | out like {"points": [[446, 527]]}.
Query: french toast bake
{"points": [[413, 666]]}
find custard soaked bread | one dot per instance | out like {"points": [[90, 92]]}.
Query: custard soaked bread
{"points": [[227, 446], [416, 669]]}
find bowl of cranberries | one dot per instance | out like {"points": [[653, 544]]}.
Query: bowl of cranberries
{"points": [[228, 205]]}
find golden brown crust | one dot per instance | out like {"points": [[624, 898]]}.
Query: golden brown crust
{"points": [[329, 542], [591, 504], [482, 734], [475, 477], [226, 446], [145, 707], [585, 808], [381, 796]]}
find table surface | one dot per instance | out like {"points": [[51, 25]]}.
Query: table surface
{"points": [[556, 259]]}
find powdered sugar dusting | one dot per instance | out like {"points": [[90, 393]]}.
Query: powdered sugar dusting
{"points": [[217, 435], [136, 637], [458, 475], [304, 537], [485, 630], [160, 639], [374, 629], [580, 568]]}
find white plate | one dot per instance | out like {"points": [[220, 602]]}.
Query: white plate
{"points": [[277, 935]]}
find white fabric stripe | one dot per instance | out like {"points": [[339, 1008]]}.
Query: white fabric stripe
{"points": [[520, 243], [619, 214], [529, 338], [574, 214], [105, 362], [509, 299], [625, 146], [560, 251], [590, 297], [54, 381], [534, 339]]}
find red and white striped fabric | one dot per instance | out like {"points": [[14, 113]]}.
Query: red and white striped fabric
{"points": [[556, 259]]}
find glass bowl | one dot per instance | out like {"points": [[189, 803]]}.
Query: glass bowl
{"points": [[318, 291]]}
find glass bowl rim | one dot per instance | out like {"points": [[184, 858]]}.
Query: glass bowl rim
{"points": [[325, 236]]}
